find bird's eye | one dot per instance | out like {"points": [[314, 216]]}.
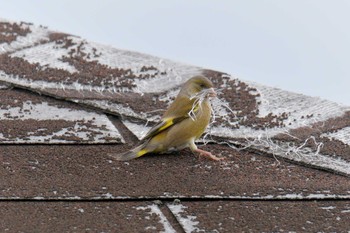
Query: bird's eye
{"points": [[202, 85]]}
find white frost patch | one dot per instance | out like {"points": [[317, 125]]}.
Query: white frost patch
{"points": [[36, 35], [3, 87], [169, 97], [40, 111], [277, 101], [176, 73], [108, 105], [221, 108], [47, 55], [41, 85], [154, 209], [44, 111], [328, 207], [302, 111], [108, 195], [288, 196], [312, 196], [243, 132], [168, 74], [341, 135], [116, 108], [301, 154], [137, 129], [188, 222], [166, 82]]}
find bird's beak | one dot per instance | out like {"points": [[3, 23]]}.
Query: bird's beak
{"points": [[212, 92]]}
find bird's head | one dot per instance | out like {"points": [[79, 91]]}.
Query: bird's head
{"points": [[198, 86]]}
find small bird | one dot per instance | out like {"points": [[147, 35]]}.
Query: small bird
{"points": [[185, 121]]}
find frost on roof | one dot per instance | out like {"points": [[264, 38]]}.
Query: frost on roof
{"points": [[188, 222], [342, 135], [28, 119], [153, 209], [140, 87], [14, 36]]}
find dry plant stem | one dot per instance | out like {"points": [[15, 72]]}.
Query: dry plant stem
{"points": [[208, 155]]}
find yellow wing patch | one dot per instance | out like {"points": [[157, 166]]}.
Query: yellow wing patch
{"points": [[141, 152], [164, 124], [168, 123]]}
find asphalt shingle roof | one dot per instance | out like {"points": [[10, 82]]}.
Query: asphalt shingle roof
{"points": [[65, 103]]}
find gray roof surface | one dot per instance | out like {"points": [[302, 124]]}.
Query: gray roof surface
{"points": [[65, 103]]}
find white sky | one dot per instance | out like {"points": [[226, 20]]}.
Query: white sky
{"points": [[297, 45]]}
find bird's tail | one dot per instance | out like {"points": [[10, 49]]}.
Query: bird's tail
{"points": [[131, 154]]}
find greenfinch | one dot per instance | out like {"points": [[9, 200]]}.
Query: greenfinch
{"points": [[185, 121]]}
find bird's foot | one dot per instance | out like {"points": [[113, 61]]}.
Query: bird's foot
{"points": [[208, 155]]}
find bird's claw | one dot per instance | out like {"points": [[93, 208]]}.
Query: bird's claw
{"points": [[208, 155]]}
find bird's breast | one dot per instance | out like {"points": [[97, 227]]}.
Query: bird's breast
{"points": [[202, 117]]}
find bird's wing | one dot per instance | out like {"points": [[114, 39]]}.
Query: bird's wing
{"points": [[164, 124], [176, 113]]}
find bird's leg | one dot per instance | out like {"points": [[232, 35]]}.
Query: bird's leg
{"points": [[204, 153], [207, 154]]}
